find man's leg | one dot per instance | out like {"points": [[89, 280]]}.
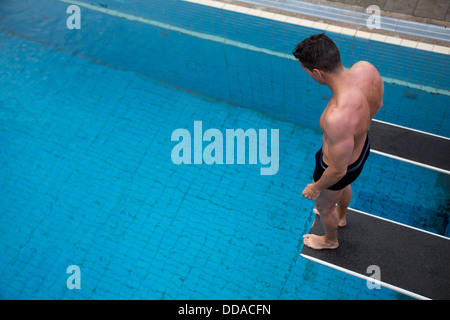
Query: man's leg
{"points": [[343, 204], [326, 205]]}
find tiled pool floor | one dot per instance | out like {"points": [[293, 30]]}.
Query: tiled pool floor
{"points": [[87, 179]]}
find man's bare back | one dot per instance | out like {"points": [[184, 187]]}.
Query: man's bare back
{"points": [[352, 108]]}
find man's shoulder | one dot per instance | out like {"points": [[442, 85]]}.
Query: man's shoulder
{"points": [[364, 64], [337, 117], [365, 72]]}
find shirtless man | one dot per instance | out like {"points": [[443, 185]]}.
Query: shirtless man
{"points": [[357, 97]]}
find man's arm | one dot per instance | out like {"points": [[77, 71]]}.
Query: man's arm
{"points": [[340, 140]]}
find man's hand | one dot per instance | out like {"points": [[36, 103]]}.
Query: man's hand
{"points": [[311, 192]]}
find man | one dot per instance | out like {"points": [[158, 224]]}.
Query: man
{"points": [[357, 97]]}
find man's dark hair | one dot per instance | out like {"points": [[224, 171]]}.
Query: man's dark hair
{"points": [[318, 52]]}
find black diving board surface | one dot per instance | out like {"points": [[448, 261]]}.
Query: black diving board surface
{"points": [[411, 261], [428, 149]]}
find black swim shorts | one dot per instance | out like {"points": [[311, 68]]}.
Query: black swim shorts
{"points": [[353, 170]]}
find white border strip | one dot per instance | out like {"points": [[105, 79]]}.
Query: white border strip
{"points": [[416, 86], [361, 276], [188, 32], [410, 161]]}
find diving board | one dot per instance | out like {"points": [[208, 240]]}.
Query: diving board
{"points": [[409, 144], [411, 261]]}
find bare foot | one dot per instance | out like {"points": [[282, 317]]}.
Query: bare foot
{"points": [[342, 222], [319, 242]]}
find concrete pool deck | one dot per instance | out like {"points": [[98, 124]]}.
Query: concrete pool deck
{"points": [[434, 12], [423, 20]]}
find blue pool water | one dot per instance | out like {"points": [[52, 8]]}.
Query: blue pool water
{"points": [[87, 179]]}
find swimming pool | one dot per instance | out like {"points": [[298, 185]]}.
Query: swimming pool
{"points": [[87, 177]]}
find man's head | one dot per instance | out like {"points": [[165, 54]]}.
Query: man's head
{"points": [[318, 54]]}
